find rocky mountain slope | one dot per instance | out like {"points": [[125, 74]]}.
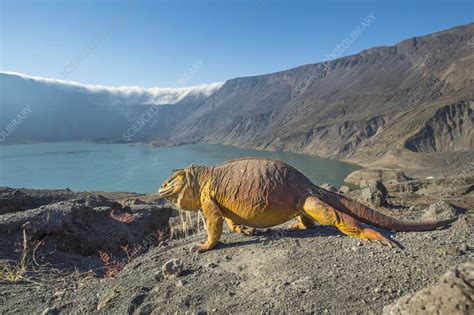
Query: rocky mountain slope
{"points": [[408, 106], [386, 105]]}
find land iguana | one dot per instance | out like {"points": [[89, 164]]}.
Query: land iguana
{"points": [[260, 192]]}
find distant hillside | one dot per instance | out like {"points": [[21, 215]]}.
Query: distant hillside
{"points": [[380, 106], [408, 105]]}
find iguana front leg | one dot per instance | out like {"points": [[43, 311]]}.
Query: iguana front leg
{"points": [[214, 224], [327, 215], [240, 229]]}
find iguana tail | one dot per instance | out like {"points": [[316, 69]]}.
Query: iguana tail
{"points": [[370, 216]]}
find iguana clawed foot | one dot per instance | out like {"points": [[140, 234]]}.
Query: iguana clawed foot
{"points": [[201, 247], [303, 223], [325, 214], [374, 236], [241, 229]]}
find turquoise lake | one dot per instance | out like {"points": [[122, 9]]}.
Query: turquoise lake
{"points": [[134, 167]]}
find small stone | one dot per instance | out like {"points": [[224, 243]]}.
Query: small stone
{"points": [[179, 283], [211, 265], [172, 268], [49, 311], [464, 248], [59, 294], [159, 275], [344, 189], [328, 187]]}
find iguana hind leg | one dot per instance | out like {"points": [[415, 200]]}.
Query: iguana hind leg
{"points": [[304, 222], [240, 229], [214, 225], [327, 215]]}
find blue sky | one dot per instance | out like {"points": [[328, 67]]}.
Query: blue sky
{"points": [[169, 43]]}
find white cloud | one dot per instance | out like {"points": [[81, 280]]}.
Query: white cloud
{"points": [[128, 95]]}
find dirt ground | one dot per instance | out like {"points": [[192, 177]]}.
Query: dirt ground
{"points": [[277, 271]]}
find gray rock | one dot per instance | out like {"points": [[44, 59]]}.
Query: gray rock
{"points": [[50, 311], [453, 294], [374, 193], [384, 175], [82, 225], [172, 268], [344, 189], [439, 211]]}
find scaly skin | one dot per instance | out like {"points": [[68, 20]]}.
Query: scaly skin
{"points": [[259, 193]]}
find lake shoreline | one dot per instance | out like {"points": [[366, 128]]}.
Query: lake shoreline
{"points": [[412, 164], [92, 166]]}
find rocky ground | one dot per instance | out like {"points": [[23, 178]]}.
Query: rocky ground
{"points": [[112, 253]]}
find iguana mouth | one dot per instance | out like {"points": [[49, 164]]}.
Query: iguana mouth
{"points": [[165, 192], [168, 193]]}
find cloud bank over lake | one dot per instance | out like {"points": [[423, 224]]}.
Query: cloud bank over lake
{"points": [[128, 95]]}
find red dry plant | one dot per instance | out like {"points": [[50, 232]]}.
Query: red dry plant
{"points": [[112, 266], [124, 217]]}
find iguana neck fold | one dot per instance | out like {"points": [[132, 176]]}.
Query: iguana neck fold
{"points": [[202, 176]]}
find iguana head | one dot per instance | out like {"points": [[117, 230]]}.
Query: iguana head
{"points": [[182, 189]]}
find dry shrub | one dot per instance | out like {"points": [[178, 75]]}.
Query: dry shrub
{"points": [[14, 272], [124, 217], [113, 265]]}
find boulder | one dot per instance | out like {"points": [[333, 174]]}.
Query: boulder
{"points": [[453, 294], [373, 193], [439, 211], [87, 225], [14, 200]]}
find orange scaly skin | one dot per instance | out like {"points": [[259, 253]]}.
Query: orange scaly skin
{"points": [[260, 193]]}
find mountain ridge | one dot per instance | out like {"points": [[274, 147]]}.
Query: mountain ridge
{"points": [[406, 106], [357, 108]]}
